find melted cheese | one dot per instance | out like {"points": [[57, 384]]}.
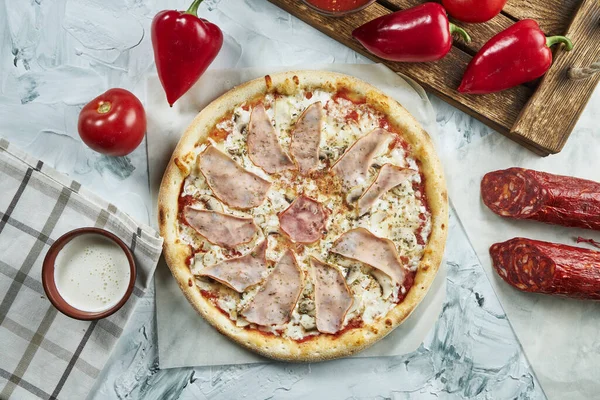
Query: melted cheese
{"points": [[398, 215]]}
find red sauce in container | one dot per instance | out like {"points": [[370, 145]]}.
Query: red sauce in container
{"points": [[338, 7]]}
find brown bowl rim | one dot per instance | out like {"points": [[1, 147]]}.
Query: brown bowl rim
{"points": [[50, 285], [328, 13]]}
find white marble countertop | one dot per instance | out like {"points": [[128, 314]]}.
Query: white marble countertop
{"points": [[56, 56]]}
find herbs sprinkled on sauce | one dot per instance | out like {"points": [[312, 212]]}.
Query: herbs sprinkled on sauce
{"points": [[401, 214]]}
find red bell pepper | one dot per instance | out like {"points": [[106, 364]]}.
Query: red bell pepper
{"points": [[184, 46], [473, 10], [421, 33], [514, 56]]}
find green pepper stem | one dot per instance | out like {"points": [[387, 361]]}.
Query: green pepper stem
{"points": [[463, 34], [194, 8], [552, 40]]}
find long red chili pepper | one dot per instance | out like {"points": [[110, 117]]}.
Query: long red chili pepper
{"points": [[421, 33], [184, 46], [514, 56]]}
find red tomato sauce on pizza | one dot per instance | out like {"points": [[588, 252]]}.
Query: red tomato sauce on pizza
{"points": [[400, 216]]}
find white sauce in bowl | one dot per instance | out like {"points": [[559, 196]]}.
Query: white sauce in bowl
{"points": [[92, 273]]}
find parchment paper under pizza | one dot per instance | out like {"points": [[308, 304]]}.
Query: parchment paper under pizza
{"points": [[304, 215]]}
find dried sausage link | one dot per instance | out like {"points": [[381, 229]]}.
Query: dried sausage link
{"points": [[527, 194], [551, 268]]}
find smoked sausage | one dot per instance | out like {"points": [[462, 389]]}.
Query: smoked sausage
{"points": [[551, 268], [527, 194]]}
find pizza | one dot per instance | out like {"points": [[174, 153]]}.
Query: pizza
{"points": [[304, 215]]}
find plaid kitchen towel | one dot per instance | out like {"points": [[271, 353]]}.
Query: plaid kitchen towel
{"points": [[43, 353]]}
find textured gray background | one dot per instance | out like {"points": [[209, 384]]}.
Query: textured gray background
{"points": [[57, 55]]}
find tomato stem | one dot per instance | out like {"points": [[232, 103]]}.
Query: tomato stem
{"points": [[463, 34], [552, 40], [194, 8], [104, 107]]}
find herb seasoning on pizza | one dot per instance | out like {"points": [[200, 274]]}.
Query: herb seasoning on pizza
{"points": [[304, 215]]}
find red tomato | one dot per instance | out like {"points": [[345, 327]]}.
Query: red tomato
{"points": [[473, 10], [114, 123]]}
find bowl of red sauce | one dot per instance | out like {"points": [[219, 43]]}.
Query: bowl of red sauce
{"points": [[337, 8]]}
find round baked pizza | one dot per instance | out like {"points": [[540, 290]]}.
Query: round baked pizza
{"points": [[304, 215]]}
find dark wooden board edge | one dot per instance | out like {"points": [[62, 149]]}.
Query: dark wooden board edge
{"points": [[554, 16], [553, 110]]}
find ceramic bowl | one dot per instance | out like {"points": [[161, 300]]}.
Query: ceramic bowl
{"points": [[50, 285]]}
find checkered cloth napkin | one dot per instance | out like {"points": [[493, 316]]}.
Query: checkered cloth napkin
{"points": [[43, 353]]}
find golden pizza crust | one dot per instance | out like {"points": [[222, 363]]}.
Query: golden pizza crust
{"points": [[323, 347]]}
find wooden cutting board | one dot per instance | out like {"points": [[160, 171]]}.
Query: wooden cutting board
{"points": [[539, 115]]}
